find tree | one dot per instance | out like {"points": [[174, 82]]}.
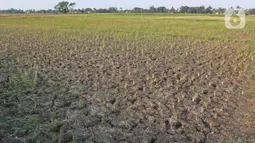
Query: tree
{"points": [[43, 11], [64, 6], [152, 9], [113, 9], [184, 9], [220, 10], [201, 9], [138, 10], [161, 9], [172, 10], [209, 10], [251, 11], [88, 10], [71, 6]]}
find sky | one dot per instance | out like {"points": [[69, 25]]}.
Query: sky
{"points": [[125, 4]]}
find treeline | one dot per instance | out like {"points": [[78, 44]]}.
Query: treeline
{"points": [[152, 9], [20, 11]]}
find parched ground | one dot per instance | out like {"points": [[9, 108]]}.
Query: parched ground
{"points": [[125, 78]]}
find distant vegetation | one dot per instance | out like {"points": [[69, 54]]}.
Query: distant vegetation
{"points": [[66, 7]]}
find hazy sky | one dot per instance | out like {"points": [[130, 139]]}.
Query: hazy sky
{"points": [[49, 4]]}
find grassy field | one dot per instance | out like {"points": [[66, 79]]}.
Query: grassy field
{"points": [[126, 78]]}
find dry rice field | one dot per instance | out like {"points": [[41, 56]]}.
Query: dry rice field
{"points": [[108, 78]]}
